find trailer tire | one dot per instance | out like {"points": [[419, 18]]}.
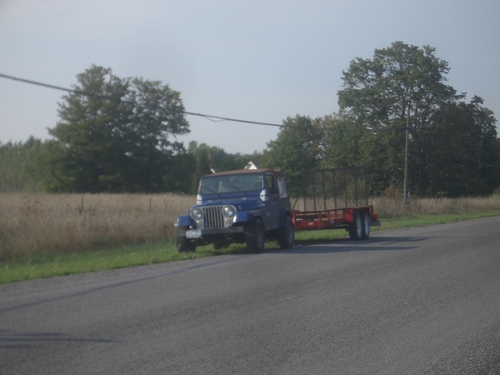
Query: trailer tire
{"points": [[366, 225], [286, 235], [254, 236], [356, 229]]}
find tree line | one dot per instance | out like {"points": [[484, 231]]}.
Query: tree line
{"points": [[453, 145], [119, 135], [30, 167]]}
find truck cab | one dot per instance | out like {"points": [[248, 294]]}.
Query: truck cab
{"points": [[243, 206]]}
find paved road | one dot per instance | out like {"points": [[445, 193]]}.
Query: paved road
{"points": [[412, 301]]}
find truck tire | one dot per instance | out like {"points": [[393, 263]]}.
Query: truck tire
{"points": [[367, 220], [286, 234], [356, 227], [255, 236], [184, 245]]}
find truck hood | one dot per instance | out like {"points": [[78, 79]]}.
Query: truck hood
{"points": [[242, 203]]}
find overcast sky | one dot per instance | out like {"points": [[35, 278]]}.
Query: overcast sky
{"points": [[257, 60]]}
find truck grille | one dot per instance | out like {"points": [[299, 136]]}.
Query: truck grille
{"points": [[213, 217]]}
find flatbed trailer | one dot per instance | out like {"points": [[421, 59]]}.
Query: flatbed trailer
{"points": [[335, 198]]}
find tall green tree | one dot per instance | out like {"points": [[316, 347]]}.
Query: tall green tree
{"points": [[157, 116], [341, 141], [465, 155], [298, 147], [88, 132], [378, 92], [117, 133], [376, 96]]}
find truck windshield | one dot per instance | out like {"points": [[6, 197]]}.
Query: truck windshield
{"points": [[231, 184]]}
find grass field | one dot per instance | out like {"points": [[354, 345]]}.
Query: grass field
{"points": [[38, 224], [53, 235]]}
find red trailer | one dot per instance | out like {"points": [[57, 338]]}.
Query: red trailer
{"points": [[335, 198]]}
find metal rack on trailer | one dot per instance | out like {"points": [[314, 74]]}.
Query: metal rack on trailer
{"points": [[336, 198]]}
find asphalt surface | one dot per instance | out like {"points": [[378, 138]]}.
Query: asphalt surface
{"points": [[412, 301]]}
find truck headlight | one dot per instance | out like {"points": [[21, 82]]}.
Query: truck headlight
{"points": [[228, 211], [197, 214]]}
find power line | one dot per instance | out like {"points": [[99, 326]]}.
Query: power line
{"points": [[208, 117], [44, 84], [220, 118]]}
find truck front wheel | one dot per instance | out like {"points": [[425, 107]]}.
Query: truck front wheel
{"points": [[255, 236], [184, 245]]}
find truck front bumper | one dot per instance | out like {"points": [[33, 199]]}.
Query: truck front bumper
{"points": [[200, 233]]}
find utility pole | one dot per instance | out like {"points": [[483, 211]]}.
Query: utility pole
{"points": [[406, 155]]}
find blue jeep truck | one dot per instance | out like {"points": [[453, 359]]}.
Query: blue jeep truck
{"points": [[243, 206]]}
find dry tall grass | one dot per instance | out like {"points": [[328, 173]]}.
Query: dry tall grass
{"points": [[35, 224], [388, 207]]}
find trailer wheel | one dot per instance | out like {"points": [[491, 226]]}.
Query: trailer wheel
{"points": [[366, 225], [286, 235], [255, 236], [356, 227]]}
